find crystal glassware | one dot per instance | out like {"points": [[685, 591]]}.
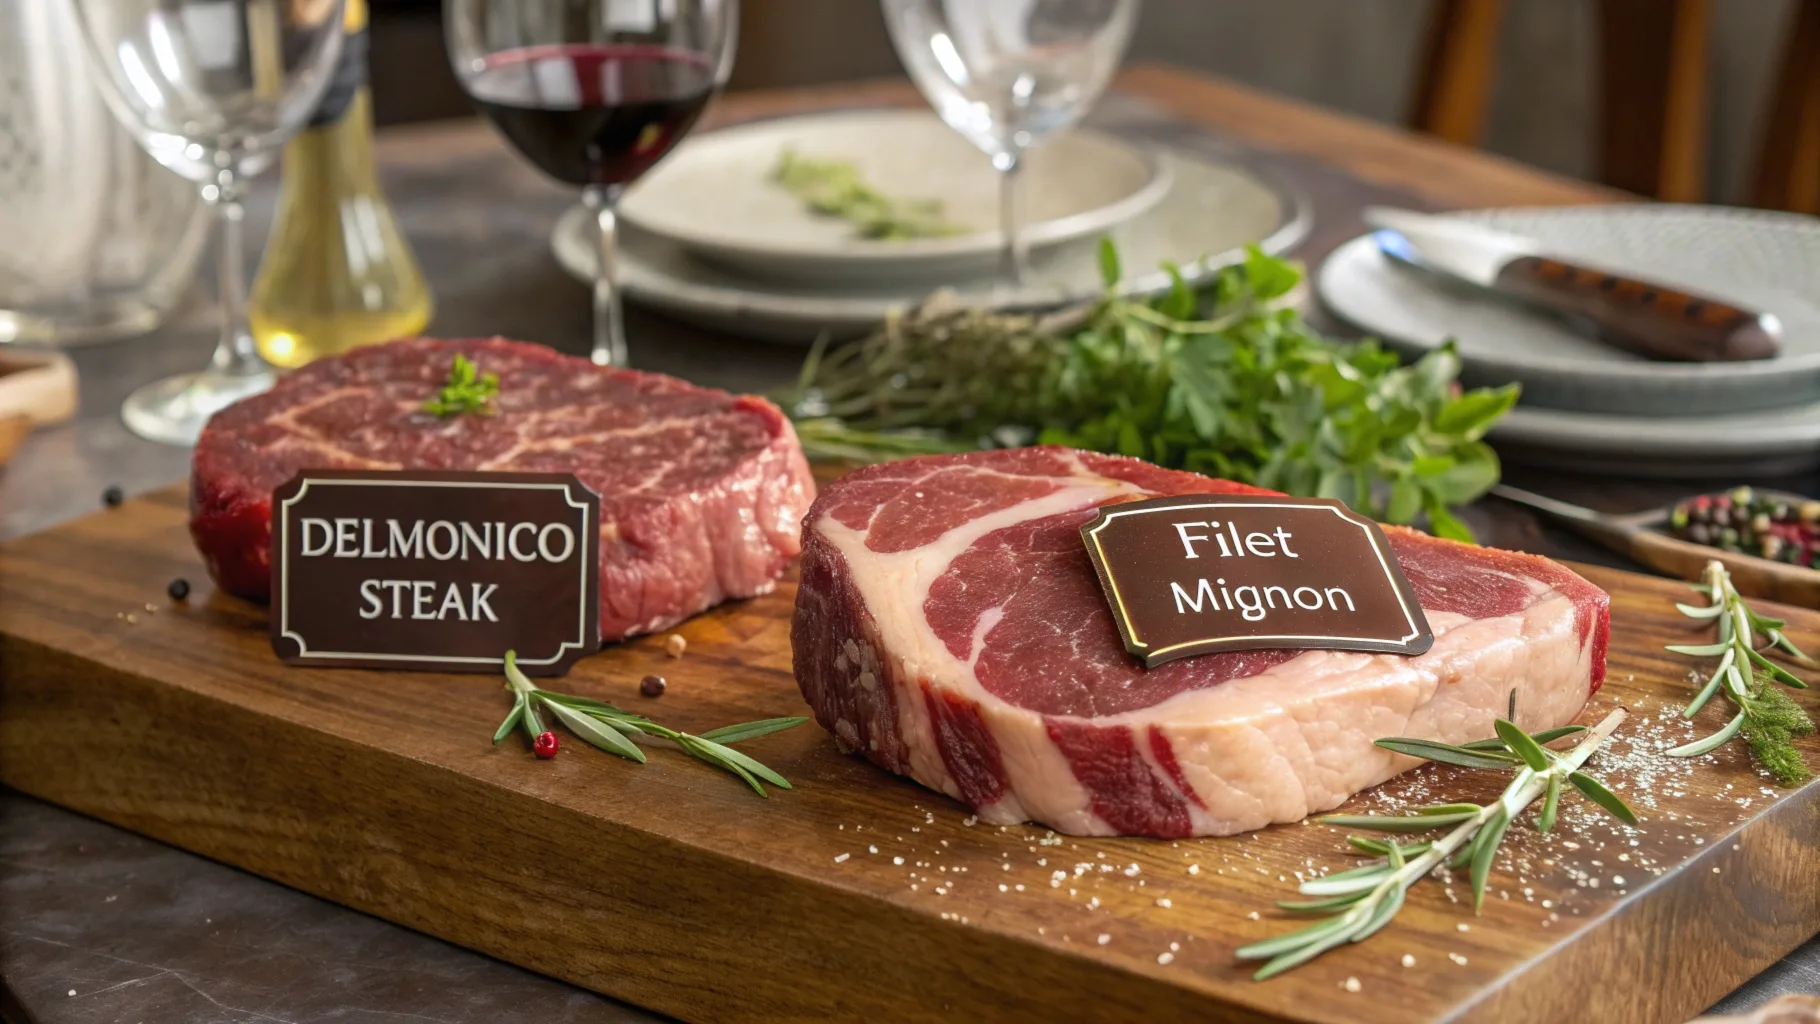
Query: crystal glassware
{"points": [[593, 92], [212, 89], [1007, 74], [101, 242]]}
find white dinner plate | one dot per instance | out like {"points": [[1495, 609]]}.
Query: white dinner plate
{"points": [[1770, 261], [1770, 442], [714, 196], [1211, 212]]}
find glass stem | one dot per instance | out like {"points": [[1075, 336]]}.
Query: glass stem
{"points": [[1015, 262], [235, 353], [609, 319]]}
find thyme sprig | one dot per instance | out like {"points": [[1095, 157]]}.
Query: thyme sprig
{"points": [[613, 729], [465, 391], [1767, 719], [1363, 900]]}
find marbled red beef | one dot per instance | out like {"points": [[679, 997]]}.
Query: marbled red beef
{"points": [[950, 628], [701, 492]]}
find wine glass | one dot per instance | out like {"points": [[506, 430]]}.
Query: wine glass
{"points": [[1007, 74], [593, 92], [211, 89]]}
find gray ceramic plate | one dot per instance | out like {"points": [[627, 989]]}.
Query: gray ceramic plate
{"points": [[714, 196], [1775, 441], [1767, 260], [1212, 211]]}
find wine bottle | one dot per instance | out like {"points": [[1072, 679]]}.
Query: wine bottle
{"points": [[337, 272]]}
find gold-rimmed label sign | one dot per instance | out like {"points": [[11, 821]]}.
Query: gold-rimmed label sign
{"points": [[435, 571], [1199, 573]]}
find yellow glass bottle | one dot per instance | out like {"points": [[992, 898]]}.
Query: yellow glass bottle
{"points": [[337, 273]]}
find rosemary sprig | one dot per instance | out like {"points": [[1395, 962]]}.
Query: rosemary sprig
{"points": [[835, 188], [1768, 720], [465, 391], [1363, 900], [613, 729]]}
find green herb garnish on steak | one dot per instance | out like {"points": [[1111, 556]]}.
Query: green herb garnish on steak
{"points": [[466, 391]]}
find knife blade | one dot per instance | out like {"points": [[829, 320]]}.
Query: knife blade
{"points": [[1652, 319]]}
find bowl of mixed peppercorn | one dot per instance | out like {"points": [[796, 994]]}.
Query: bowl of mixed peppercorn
{"points": [[1779, 527]]}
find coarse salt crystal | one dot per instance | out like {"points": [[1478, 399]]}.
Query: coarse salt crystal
{"points": [[1351, 985], [1164, 902], [1104, 938], [1408, 961], [1194, 869], [675, 645], [1462, 927], [871, 849], [842, 858]]}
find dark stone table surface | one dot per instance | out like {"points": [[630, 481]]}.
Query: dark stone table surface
{"points": [[98, 925]]}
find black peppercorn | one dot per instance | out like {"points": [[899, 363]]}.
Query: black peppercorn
{"points": [[651, 686], [113, 496], [179, 589]]}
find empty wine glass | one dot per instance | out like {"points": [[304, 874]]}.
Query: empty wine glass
{"points": [[1007, 74], [593, 92], [212, 89]]}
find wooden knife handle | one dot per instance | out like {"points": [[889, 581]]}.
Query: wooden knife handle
{"points": [[1661, 323]]}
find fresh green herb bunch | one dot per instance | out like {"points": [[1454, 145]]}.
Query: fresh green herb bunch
{"points": [[1768, 720], [1211, 378], [466, 390], [835, 188], [611, 729], [1363, 900]]}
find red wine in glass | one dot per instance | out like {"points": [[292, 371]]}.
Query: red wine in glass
{"points": [[594, 92], [591, 114]]}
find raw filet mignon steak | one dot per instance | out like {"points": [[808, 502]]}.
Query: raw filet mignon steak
{"points": [[949, 627], [701, 492]]}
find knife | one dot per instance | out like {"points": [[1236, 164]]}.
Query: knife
{"points": [[1655, 320]]}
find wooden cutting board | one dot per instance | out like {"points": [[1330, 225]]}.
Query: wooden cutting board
{"points": [[857, 895]]}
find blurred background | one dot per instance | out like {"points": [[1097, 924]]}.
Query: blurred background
{"points": [[1668, 98]]}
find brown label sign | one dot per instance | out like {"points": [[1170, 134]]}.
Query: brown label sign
{"points": [[435, 571], [1198, 573]]}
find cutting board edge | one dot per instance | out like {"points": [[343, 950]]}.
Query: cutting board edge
{"points": [[33, 759]]}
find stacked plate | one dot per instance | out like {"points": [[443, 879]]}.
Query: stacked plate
{"points": [[1592, 407], [710, 237]]}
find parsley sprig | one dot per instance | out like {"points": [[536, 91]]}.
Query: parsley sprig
{"points": [[1363, 900], [1768, 720], [466, 391], [1213, 378], [612, 729]]}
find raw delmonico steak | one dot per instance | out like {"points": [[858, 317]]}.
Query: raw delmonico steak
{"points": [[949, 627], [701, 492]]}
